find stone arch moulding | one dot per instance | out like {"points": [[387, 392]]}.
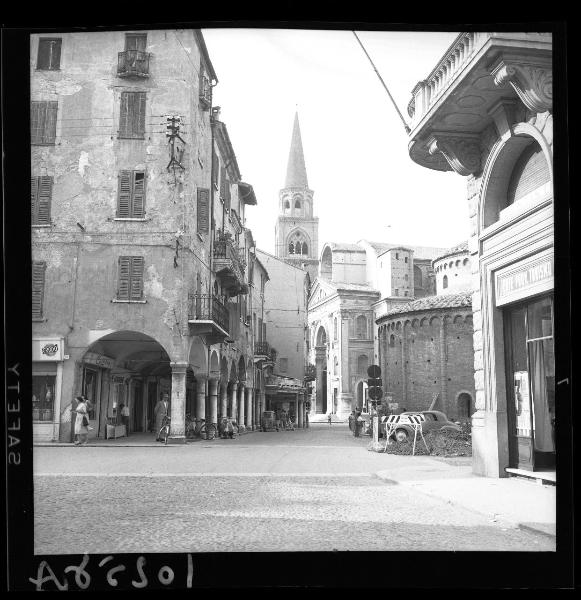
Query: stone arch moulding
{"points": [[214, 364], [198, 356], [497, 170]]}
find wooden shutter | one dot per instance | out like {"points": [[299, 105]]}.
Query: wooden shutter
{"points": [[203, 210], [139, 114], [49, 130], [124, 115], [136, 288], [132, 116], [138, 210], [38, 271], [124, 277], [40, 197], [124, 195]]}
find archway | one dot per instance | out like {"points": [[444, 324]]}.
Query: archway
{"points": [[321, 370], [361, 396], [327, 264], [464, 407], [126, 368]]}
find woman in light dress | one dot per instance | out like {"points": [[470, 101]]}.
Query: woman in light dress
{"points": [[81, 431]]}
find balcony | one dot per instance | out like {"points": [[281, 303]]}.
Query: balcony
{"points": [[133, 63], [479, 82], [229, 266], [208, 318], [264, 354]]}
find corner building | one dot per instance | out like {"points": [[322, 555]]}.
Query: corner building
{"points": [[140, 256], [485, 112]]}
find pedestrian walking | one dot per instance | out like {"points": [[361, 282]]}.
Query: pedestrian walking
{"points": [[160, 411], [358, 424], [81, 421], [125, 417], [329, 419]]}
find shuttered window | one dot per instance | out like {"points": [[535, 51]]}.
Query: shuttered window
{"points": [[203, 210], [49, 54], [131, 195], [132, 118], [43, 123], [136, 41], [130, 286], [215, 169], [530, 172], [38, 272], [40, 199]]}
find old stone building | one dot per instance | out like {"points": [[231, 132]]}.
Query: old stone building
{"points": [[486, 112], [356, 284], [140, 254], [297, 229], [425, 347]]}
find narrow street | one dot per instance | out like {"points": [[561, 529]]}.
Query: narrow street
{"points": [[306, 490]]}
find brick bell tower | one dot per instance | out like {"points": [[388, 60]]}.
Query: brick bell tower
{"points": [[297, 230]]}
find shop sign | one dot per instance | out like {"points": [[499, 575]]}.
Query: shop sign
{"points": [[529, 277], [47, 349], [99, 360]]}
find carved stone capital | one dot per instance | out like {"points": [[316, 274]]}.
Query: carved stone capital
{"points": [[533, 83], [461, 151]]}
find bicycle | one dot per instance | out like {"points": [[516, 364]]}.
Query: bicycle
{"points": [[289, 424], [163, 433], [229, 428], [199, 428]]}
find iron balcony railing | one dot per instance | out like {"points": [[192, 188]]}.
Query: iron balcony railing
{"points": [[261, 349], [133, 63], [226, 252], [205, 307]]}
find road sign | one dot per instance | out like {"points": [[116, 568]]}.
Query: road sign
{"points": [[375, 393], [374, 371]]}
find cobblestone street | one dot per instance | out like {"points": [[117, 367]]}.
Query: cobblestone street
{"points": [[308, 490]]}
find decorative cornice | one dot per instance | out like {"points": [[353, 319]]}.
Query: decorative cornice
{"points": [[533, 83], [461, 151]]}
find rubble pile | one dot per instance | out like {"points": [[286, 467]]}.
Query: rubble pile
{"points": [[440, 443]]}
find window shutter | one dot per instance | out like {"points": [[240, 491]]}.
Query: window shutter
{"points": [[124, 115], [139, 127], [124, 195], [136, 289], [124, 275], [38, 271], [215, 168], [34, 199], [55, 62], [203, 210], [49, 133], [44, 199], [138, 211], [36, 123]]}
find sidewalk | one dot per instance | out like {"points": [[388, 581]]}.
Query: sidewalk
{"points": [[512, 502]]}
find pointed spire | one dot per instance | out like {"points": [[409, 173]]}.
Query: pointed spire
{"points": [[296, 172]]}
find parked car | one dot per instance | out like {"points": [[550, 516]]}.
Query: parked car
{"points": [[434, 420]]}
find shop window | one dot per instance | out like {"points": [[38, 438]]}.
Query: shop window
{"points": [[49, 54], [40, 199], [43, 388], [132, 117], [130, 283], [131, 195], [43, 123]]}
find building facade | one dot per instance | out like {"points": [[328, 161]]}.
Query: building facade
{"points": [[425, 347], [139, 249], [485, 112], [297, 229], [356, 284]]}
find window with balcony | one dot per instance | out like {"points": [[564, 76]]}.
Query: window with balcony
{"points": [[131, 195], [49, 54], [38, 284], [134, 60], [40, 198], [43, 117], [130, 279], [132, 117]]}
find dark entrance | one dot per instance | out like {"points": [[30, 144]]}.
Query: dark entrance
{"points": [[530, 371]]}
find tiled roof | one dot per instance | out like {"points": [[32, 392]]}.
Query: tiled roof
{"points": [[461, 299], [419, 251], [344, 247], [460, 248]]}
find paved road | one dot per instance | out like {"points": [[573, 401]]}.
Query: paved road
{"points": [[308, 490]]}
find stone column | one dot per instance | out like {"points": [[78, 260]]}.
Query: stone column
{"points": [[248, 410], [256, 418], [200, 397], [233, 402], [300, 415], [178, 403], [240, 417], [213, 393], [223, 399], [297, 408]]}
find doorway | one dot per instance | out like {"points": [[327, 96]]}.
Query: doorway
{"points": [[530, 373]]}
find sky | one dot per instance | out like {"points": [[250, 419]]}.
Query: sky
{"points": [[365, 184]]}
